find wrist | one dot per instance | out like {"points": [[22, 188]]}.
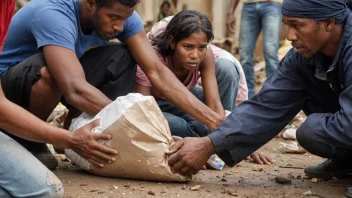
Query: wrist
{"points": [[208, 146]]}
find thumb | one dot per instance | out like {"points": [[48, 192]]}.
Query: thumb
{"points": [[92, 124], [176, 147]]}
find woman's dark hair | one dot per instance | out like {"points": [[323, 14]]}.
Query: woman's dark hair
{"points": [[165, 3], [181, 26]]}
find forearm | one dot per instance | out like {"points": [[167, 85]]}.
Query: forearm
{"points": [[21, 123], [86, 98], [233, 6], [176, 92]]}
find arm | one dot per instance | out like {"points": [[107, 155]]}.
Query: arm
{"points": [[231, 16], [167, 83], [23, 124], [138, 88], [251, 124], [69, 77], [210, 87]]}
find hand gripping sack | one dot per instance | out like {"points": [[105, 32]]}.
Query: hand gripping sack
{"points": [[140, 133]]}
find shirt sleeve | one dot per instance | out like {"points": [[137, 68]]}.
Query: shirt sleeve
{"points": [[52, 27], [258, 120], [133, 25]]}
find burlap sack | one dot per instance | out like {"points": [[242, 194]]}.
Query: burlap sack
{"points": [[142, 136]]}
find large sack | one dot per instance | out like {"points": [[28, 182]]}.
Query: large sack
{"points": [[141, 135]]}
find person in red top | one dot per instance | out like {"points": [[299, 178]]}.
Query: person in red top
{"points": [[30, 178], [7, 8]]}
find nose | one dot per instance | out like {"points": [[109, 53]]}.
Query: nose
{"points": [[194, 54], [118, 26], [291, 34]]}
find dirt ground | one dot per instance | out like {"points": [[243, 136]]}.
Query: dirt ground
{"points": [[240, 181]]}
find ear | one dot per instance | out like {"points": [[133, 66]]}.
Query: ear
{"points": [[91, 5], [329, 24], [171, 42]]}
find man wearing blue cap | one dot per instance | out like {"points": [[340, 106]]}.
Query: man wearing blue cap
{"points": [[315, 76]]}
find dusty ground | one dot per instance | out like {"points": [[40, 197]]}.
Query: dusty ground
{"points": [[240, 179]]}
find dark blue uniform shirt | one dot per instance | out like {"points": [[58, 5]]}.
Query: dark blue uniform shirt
{"points": [[320, 86]]}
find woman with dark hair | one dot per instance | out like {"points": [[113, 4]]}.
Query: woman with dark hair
{"points": [[182, 43], [164, 10]]}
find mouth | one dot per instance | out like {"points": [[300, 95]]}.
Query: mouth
{"points": [[299, 48], [192, 64]]}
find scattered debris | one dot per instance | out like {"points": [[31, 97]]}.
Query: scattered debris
{"points": [[83, 185], [126, 186], [115, 187], [195, 188], [223, 191], [231, 192], [291, 147], [183, 187], [282, 180], [259, 169], [314, 180], [151, 192], [224, 180], [292, 167]]}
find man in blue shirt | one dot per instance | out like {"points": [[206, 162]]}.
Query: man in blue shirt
{"points": [[315, 76], [45, 57]]}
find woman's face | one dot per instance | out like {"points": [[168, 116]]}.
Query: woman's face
{"points": [[190, 52]]}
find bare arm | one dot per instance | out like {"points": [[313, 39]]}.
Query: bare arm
{"points": [[167, 83], [69, 76], [23, 124], [210, 87], [231, 19], [138, 88]]}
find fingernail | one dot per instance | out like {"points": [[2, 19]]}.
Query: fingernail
{"points": [[101, 165], [109, 162], [113, 159]]}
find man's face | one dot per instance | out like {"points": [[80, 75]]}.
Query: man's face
{"points": [[307, 35], [109, 21]]}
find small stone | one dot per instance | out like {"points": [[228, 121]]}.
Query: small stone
{"points": [[231, 192], [195, 188], [151, 193], [115, 187], [314, 180], [224, 180], [183, 187], [282, 180], [126, 186], [208, 190], [223, 191], [299, 177], [259, 169]]}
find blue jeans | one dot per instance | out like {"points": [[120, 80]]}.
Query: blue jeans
{"points": [[22, 175], [257, 16], [182, 124]]}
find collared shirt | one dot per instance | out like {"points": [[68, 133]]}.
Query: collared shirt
{"points": [[320, 86]]}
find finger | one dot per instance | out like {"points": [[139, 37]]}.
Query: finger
{"points": [[176, 147], [92, 124], [256, 159], [95, 162], [264, 159], [232, 28], [102, 156], [249, 158], [185, 171], [102, 136], [178, 166], [104, 149]]}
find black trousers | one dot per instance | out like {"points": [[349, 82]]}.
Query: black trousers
{"points": [[110, 68]]}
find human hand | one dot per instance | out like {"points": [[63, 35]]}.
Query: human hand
{"points": [[85, 144], [231, 23], [189, 155], [260, 158]]}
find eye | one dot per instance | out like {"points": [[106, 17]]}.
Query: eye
{"points": [[113, 18]]}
